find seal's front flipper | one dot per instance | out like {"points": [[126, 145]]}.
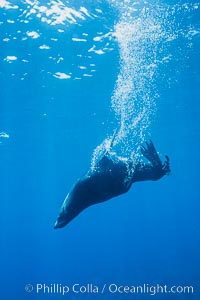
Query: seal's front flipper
{"points": [[166, 166], [113, 137], [151, 154], [111, 142]]}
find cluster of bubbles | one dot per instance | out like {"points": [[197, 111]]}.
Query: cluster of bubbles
{"points": [[154, 40]]}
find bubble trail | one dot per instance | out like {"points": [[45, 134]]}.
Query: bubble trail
{"points": [[147, 34]]}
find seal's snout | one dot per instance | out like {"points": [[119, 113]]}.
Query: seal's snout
{"points": [[56, 225], [60, 222]]}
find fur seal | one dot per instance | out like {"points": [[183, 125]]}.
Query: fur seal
{"points": [[111, 177]]}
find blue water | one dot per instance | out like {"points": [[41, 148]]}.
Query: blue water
{"points": [[71, 73]]}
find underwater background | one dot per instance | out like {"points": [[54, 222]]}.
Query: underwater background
{"points": [[73, 72]]}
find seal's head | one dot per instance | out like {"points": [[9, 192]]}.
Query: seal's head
{"points": [[65, 216], [61, 220]]}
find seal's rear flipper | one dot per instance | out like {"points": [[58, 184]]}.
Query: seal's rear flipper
{"points": [[151, 154], [158, 169]]}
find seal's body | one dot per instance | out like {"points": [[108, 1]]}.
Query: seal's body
{"points": [[111, 177]]}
